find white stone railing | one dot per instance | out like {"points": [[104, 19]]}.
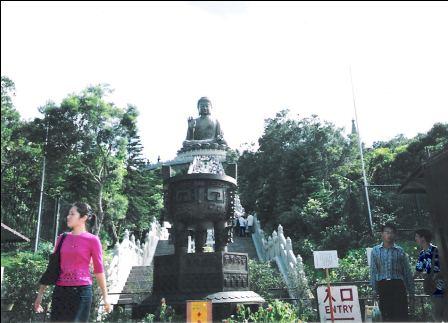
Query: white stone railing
{"points": [[279, 249], [129, 253]]}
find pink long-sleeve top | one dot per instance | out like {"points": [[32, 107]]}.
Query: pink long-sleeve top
{"points": [[76, 253]]}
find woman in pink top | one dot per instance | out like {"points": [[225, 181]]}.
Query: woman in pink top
{"points": [[72, 295]]}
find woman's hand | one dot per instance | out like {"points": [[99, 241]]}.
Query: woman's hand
{"points": [[101, 279], [107, 307], [37, 304]]}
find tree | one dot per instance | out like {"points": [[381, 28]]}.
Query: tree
{"points": [[94, 154], [306, 175], [87, 136], [20, 166], [142, 187], [10, 119]]}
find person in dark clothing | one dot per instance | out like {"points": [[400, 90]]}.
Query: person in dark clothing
{"points": [[428, 264]]}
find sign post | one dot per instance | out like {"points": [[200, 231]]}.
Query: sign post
{"points": [[326, 260], [329, 295]]}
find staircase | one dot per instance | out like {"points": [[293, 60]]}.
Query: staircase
{"points": [[164, 248], [138, 285], [139, 282], [244, 245]]}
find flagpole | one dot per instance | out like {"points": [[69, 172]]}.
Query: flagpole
{"points": [[366, 192], [39, 216]]}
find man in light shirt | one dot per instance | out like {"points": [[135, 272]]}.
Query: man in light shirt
{"points": [[250, 224], [242, 222], [391, 276]]}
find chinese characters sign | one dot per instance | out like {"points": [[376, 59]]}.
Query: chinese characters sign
{"points": [[199, 311], [326, 259], [345, 303]]}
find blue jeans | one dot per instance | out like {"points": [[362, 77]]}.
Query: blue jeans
{"points": [[71, 303]]}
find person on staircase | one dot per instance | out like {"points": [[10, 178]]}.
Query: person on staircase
{"points": [[250, 225], [242, 222]]}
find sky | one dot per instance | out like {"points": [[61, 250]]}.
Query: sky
{"points": [[252, 59]]}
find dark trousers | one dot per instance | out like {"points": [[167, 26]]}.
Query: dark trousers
{"points": [[393, 301], [242, 231], [71, 303]]}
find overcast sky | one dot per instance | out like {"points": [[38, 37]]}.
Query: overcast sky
{"points": [[251, 59]]}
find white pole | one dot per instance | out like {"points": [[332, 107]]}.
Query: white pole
{"points": [[362, 156], [56, 224], [36, 242]]}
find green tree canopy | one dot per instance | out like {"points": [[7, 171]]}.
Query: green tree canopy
{"points": [[306, 175]]}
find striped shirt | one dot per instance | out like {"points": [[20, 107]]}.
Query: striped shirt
{"points": [[424, 263], [390, 263]]}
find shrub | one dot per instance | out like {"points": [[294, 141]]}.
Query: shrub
{"points": [[22, 274], [21, 282], [263, 279], [276, 311], [119, 314]]}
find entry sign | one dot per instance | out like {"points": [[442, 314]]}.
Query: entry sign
{"points": [[199, 312], [345, 303], [326, 259]]}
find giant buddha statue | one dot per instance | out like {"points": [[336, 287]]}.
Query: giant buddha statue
{"points": [[204, 131]]}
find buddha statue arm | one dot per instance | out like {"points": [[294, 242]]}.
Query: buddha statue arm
{"points": [[191, 127], [219, 135]]}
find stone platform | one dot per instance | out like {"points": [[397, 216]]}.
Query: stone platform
{"points": [[222, 277]]}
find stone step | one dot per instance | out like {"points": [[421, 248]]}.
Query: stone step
{"points": [[164, 248], [125, 300], [138, 280], [137, 289], [142, 271], [140, 267], [245, 245], [139, 283], [140, 274]]}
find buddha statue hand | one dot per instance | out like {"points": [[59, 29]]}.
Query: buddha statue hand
{"points": [[191, 123]]}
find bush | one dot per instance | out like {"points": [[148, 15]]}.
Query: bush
{"points": [[353, 266], [164, 313], [22, 274], [263, 279], [21, 282], [276, 311], [119, 314]]}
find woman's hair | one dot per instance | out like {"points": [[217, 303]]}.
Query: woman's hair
{"points": [[85, 209], [425, 233]]}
